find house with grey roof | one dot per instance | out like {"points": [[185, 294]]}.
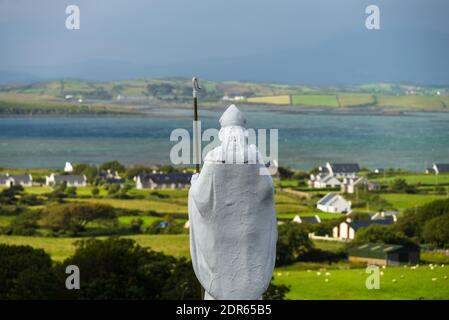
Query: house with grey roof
{"points": [[351, 184], [311, 219], [70, 180], [171, 180], [441, 168], [348, 229], [334, 203], [323, 180], [386, 215], [341, 170], [10, 180]]}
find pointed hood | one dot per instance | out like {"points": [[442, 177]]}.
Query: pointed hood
{"points": [[232, 117]]}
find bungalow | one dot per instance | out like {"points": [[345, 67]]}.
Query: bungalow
{"points": [[347, 229], [172, 180], [430, 170], [10, 180], [334, 203], [341, 170], [384, 254], [323, 180], [112, 177], [349, 185], [315, 219], [385, 215], [441, 168], [70, 180]]}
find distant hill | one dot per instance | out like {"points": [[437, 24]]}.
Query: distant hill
{"points": [[178, 90]]}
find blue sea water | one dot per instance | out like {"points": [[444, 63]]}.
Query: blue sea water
{"points": [[306, 140]]}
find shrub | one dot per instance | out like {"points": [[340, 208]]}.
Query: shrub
{"points": [[120, 269], [95, 192], [26, 273], [30, 200], [293, 241], [436, 231], [25, 224], [381, 234], [75, 216]]}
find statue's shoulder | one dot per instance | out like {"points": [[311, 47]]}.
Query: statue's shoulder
{"points": [[215, 155]]}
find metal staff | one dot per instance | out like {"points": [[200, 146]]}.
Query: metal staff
{"points": [[196, 88]]}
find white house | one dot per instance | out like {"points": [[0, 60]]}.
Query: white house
{"points": [[70, 180], [385, 215], [441, 168], [341, 170], [171, 180], [10, 180], [323, 180], [314, 219], [334, 203], [348, 229], [68, 167]]}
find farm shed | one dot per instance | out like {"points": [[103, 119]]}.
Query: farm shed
{"points": [[384, 254]]}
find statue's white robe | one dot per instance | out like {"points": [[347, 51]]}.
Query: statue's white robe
{"points": [[233, 230]]}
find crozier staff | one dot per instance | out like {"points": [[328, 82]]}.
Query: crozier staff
{"points": [[196, 135]]}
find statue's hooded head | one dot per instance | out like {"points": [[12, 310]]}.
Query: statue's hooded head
{"points": [[233, 134], [232, 117]]}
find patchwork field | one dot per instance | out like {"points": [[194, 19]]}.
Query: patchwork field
{"points": [[343, 99], [315, 100], [285, 99]]}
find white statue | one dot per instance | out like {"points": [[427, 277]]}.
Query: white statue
{"points": [[233, 230]]}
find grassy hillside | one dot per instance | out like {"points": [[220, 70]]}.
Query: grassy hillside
{"points": [[33, 105]]}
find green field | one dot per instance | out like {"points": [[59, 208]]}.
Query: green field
{"points": [[355, 99], [396, 283], [404, 201], [61, 248], [315, 100], [164, 207], [415, 179]]}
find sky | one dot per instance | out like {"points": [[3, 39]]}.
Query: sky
{"points": [[286, 41]]}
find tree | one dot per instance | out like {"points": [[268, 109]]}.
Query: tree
{"points": [[293, 241], [9, 195], [75, 216], [412, 222], [276, 292], [113, 188], [84, 169], [95, 192], [25, 224], [401, 186], [119, 268], [377, 233], [26, 273], [113, 165], [285, 173], [436, 231], [30, 200], [70, 191]]}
